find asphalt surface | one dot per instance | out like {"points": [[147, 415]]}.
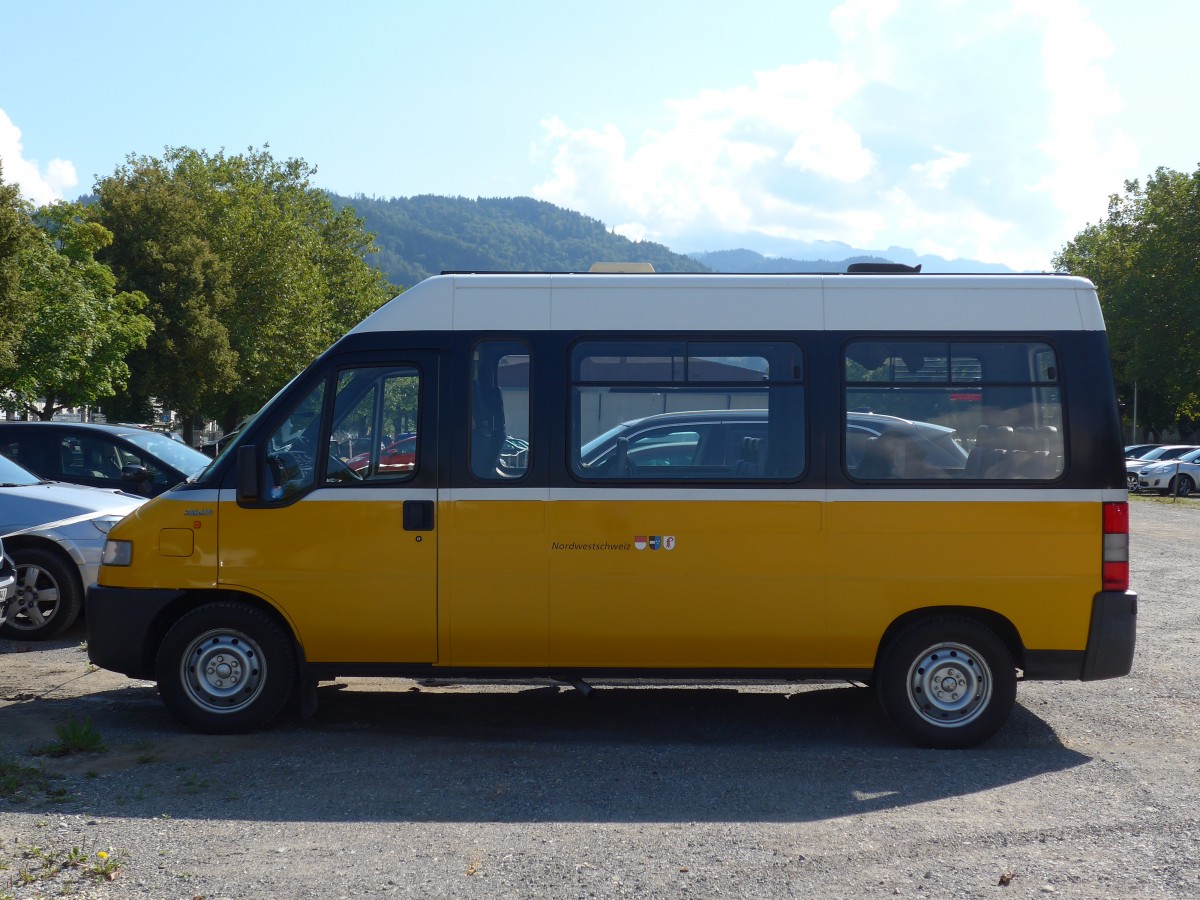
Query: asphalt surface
{"points": [[398, 788]]}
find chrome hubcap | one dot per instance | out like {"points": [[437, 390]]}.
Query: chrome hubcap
{"points": [[949, 684], [223, 670]]}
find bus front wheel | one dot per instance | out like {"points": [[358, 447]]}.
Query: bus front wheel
{"points": [[225, 668], [947, 682]]}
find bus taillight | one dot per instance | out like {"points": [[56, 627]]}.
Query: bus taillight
{"points": [[1116, 546]]}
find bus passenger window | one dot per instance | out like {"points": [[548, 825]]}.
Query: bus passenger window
{"points": [[977, 411], [500, 448], [687, 410]]}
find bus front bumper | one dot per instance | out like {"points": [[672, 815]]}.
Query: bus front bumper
{"points": [[121, 626]]}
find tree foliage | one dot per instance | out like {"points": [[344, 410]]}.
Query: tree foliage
{"points": [[16, 232], [78, 329], [421, 236], [251, 272], [1144, 259]]}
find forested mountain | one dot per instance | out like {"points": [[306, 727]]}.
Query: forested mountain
{"points": [[421, 236]]}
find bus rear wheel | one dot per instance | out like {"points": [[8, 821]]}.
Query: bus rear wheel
{"points": [[225, 668], [947, 682]]}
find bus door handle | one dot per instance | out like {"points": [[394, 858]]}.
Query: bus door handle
{"points": [[418, 515]]}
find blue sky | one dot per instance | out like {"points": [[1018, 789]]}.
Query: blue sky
{"points": [[992, 130]]}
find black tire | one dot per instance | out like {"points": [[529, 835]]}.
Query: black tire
{"points": [[1131, 481], [947, 682], [49, 595], [1186, 486], [226, 668]]}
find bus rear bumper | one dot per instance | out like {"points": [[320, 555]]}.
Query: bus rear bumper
{"points": [[1111, 640]]}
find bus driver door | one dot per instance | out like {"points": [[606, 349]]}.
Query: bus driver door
{"points": [[339, 532]]}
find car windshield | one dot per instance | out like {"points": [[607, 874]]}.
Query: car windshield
{"points": [[1190, 456], [1167, 452], [12, 475], [173, 453]]}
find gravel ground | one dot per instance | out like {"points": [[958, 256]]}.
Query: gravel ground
{"points": [[404, 789]]}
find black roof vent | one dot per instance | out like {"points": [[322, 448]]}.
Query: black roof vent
{"points": [[882, 269]]}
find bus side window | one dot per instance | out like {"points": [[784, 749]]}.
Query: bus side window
{"points": [[375, 418], [687, 410], [977, 411], [499, 444]]}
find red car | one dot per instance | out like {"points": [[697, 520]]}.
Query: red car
{"points": [[398, 456]]}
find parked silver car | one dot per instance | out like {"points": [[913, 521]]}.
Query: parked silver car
{"points": [[54, 534], [1175, 476], [1161, 453], [8, 579], [660, 444]]}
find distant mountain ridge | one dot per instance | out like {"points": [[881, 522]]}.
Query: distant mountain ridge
{"points": [[838, 257], [751, 261], [427, 234]]}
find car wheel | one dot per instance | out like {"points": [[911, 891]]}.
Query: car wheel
{"points": [[226, 668], [48, 595], [947, 682], [1131, 480]]}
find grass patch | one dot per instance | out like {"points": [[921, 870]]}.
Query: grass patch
{"points": [[64, 869], [18, 779], [73, 737], [1186, 502]]}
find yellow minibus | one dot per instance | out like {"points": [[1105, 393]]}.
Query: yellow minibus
{"points": [[907, 480]]}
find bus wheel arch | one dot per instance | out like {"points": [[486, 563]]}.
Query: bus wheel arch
{"points": [[226, 666], [946, 679]]}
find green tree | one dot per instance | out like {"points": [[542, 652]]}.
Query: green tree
{"points": [[16, 232], [251, 272], [73, 345], [160, 248], [1144, 259]]}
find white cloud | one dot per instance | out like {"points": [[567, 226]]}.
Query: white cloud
{"points": [[707, 165], [936, 172], [856, 19], [37, 186], [959, 130], [1084, 154]]}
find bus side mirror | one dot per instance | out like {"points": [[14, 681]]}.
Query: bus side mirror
{"points": [[247, 474]]}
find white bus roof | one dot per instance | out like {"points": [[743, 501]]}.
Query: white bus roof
{"points": [[718, 302]]}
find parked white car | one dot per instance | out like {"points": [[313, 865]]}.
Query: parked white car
{"points": [[1158, 454], [1176, 476], [54, 534]]}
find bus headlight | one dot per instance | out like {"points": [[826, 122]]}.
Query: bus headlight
{"points": [[117, 553]]}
